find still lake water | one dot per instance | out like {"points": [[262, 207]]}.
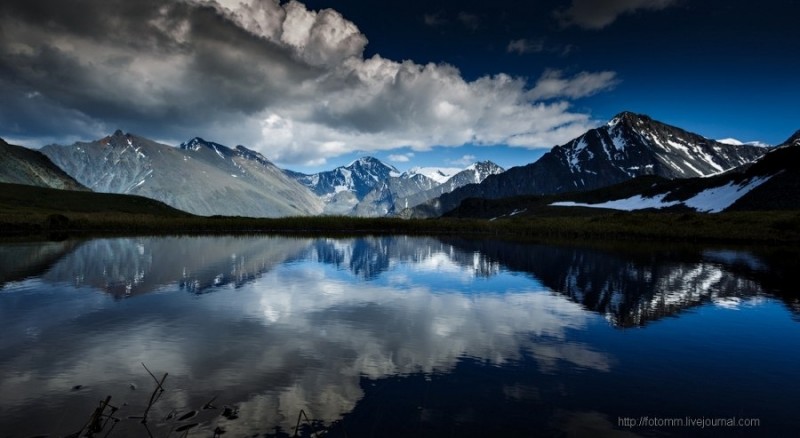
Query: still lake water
{"points": [[395, 336]]}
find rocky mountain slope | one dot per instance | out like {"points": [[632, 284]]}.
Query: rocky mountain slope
{"points": [[628, 146], [20, 165], [401, 193], [199, 177], [770, 183], [368, 187], [342, 188], [384, 199], [358, 177]]}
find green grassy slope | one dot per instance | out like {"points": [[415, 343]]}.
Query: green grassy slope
{"points": [[21, 199], [30, 211]]}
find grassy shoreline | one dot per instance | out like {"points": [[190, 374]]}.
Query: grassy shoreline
{"points": [[28, 212], [740, 227]]}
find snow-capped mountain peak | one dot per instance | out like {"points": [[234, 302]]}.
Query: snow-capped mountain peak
{"points": [[475, 173], [359, 177], [198, 144], [625, 116], [373, 167], [438, 174], [482, 169], [484, 166], [635, 144], [369, 187], [369, 162], [629, 118], [629, 145], [419, 185]]}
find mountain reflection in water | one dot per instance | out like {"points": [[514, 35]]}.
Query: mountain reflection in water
{"points": [[375, 335]]}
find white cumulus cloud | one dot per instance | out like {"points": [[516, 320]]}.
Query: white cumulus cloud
{"points": [[465, 160], [553, 84], [401, 158]]}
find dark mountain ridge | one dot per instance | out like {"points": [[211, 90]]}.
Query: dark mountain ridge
{"points": [[770, 183], [20, 165], [628, 146]]}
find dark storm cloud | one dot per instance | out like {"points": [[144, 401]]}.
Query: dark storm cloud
{"points": [[21, 114], [171, 62]]}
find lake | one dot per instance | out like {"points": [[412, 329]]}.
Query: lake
{"points": [[395, 336]]}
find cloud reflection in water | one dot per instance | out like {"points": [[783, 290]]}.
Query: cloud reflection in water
{"points": [[285, 329], [274, 325]]}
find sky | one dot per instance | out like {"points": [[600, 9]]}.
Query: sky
{"points": [[313, 85]]}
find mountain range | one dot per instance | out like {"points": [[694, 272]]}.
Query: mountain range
{"points": [[412, 188], [628, 146], [342, 188], [199, 177], [771, 182], [207, 178], [367, 187]]}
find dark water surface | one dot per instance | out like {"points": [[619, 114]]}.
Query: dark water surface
{"points": [[396, 336]]}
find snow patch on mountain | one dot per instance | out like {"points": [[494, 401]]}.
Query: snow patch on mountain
{"points": [[637, 202], [712, 200], [619, 141], [716, 199]]}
